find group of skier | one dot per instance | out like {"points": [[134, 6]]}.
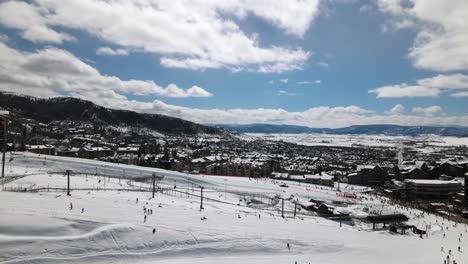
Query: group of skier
{"points": [[146, 213], [448, 260]]}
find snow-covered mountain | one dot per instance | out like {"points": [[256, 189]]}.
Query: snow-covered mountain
{"points": [[73, 109], [357, 129]]}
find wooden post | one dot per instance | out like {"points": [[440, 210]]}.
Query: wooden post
{"points": [[201, 198], [282, 207], [154, 183], [68, 182], [295, 205]]}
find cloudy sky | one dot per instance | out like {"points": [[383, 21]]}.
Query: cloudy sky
{"points": [[320, 63]]}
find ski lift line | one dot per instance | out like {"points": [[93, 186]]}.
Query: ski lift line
{"points": [[92, 168], [271, 208], [184, 178]]}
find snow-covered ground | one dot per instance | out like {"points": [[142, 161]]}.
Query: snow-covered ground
{"points": [[315, 139], [41, 228]]}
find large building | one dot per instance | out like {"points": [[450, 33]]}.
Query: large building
{"points": [[466, 189], [433, 188]]}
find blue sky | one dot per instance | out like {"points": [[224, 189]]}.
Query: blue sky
{"points": [[315, 63]]}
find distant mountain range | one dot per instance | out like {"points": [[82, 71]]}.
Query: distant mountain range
{"points": [[358, 129], [73, 109], [65, 108]]}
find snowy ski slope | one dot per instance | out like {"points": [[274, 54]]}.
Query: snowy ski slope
{"points": [[40, 227]]}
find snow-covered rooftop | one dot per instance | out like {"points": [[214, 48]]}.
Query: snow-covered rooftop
{"points": [[319, 177], [432, 182]]}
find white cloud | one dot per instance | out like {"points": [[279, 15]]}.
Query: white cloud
{"points": [[323, 64], [428, 111], [284, 80], [283, 92], [396, 110], [111, 51], [442, 26], [427, 87], [317, 116], [294, 17], [460, 94], [4, 38], [56, 72], [321, 116], [404, 90], [453, 81], [206, 34], [31, 21], [309, 82]]}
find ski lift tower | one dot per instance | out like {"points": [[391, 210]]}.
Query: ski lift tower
{"points": [[4, 115]]}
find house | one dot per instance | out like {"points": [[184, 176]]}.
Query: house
{"points": [[128, 150], [307, 205], [413, 173], [68, 152], [368, 175], [436, 206], [464, 214], [325, 209], [280, 175], [41, 149], [236, 168], [321, 179], [299, 178], [465, 187], [94, 152], [200, 164], [450, 168]]}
